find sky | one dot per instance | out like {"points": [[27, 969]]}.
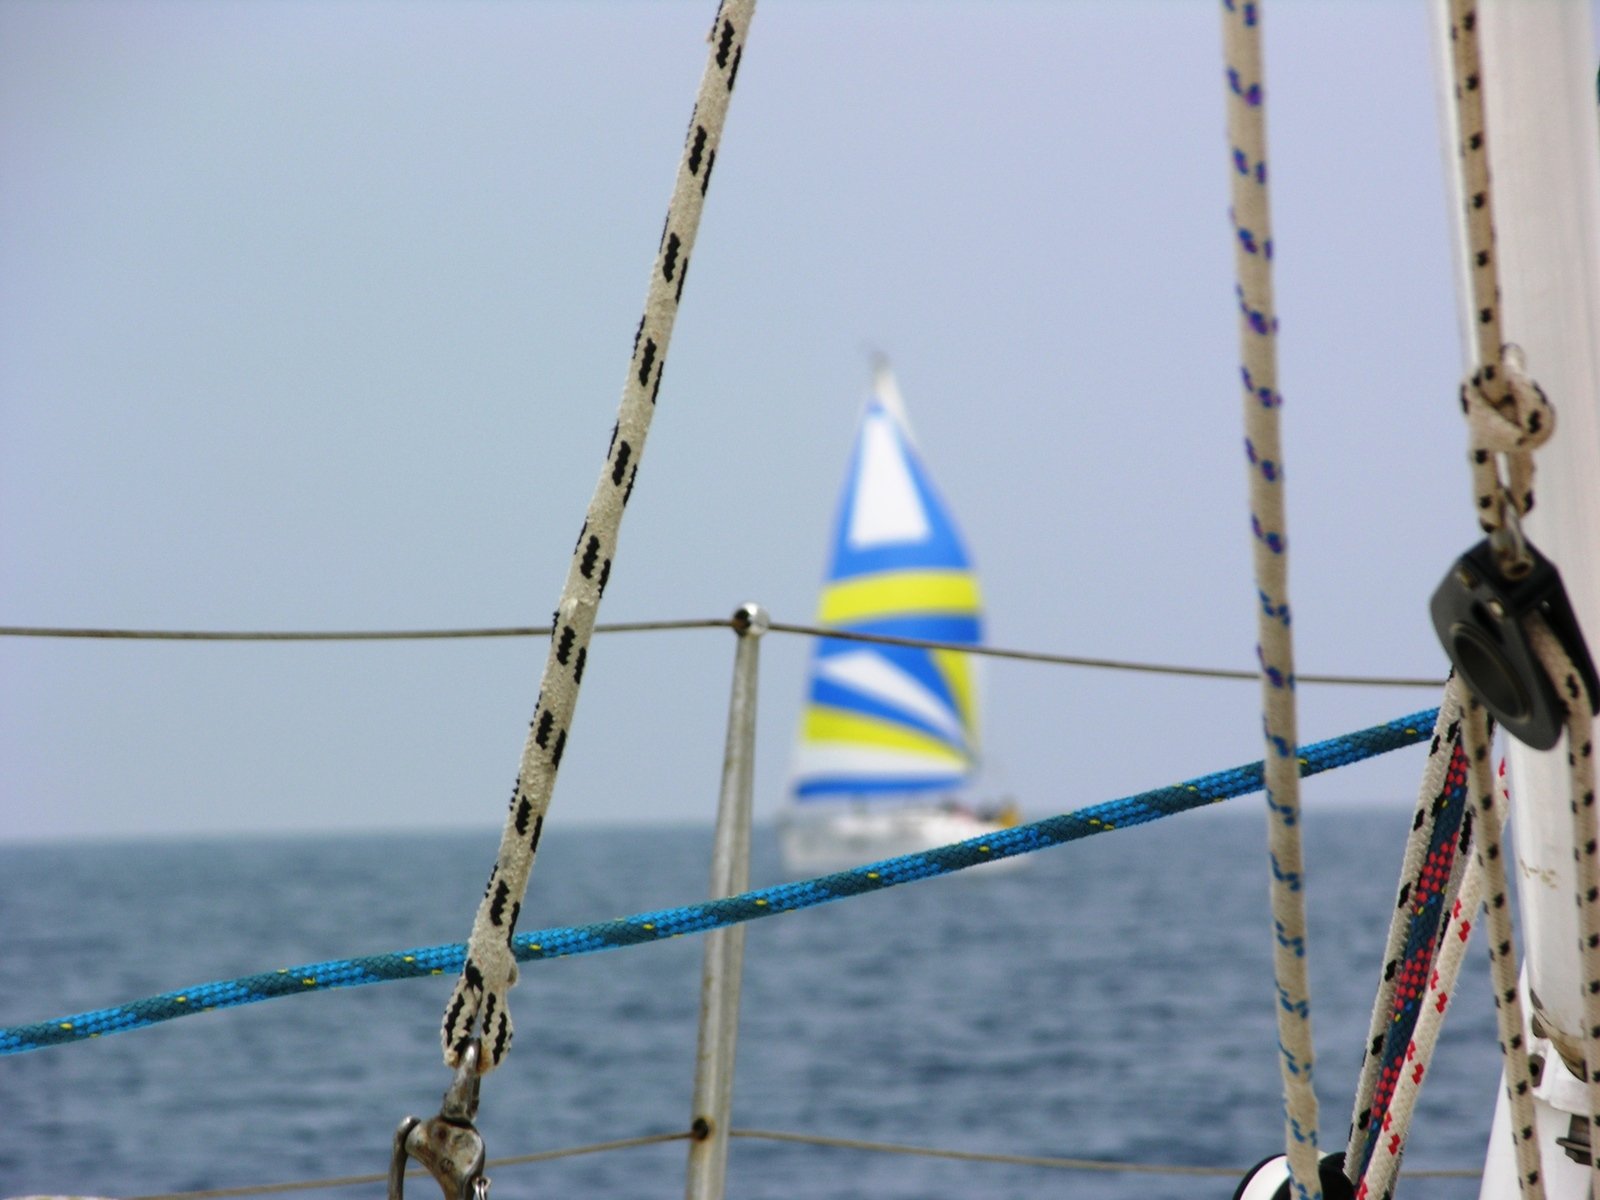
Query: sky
{"points": [[315, 315]]}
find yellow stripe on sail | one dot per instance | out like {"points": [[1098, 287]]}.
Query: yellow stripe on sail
{"points": [[956, 669], [834, 725], [900, 594]]}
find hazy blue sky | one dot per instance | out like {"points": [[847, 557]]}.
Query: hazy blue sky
{"points": [[315, 315]]}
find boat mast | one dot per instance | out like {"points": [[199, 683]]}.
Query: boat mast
{"points": [[1544, 149]]}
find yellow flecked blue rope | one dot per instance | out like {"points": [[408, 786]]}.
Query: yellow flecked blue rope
{"points": [[714, 914]]}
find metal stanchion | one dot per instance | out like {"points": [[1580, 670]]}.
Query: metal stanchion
{"points": [[730, 873]]}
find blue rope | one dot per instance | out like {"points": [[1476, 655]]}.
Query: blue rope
{"points": [[714, 914]]}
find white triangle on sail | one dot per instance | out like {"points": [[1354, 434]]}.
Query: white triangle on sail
{"points": [[887, 507], [874, 676]]}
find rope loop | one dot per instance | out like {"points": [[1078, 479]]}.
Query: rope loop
{"points": [[482, 991], [1508, 416], [1507, 413]]}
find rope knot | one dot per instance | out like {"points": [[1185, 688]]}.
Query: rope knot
{"points": [[1515, 417], [1507, 414]]}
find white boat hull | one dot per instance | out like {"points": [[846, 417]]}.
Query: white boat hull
{"points": [[835, 837]]}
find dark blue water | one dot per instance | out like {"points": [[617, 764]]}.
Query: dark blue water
{"points": [[1111, 1000]]}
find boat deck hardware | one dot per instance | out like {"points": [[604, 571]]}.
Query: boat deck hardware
{"points": [[448, 1145], [1478, 613]]}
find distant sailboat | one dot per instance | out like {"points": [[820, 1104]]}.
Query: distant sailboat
{"points": [[889, 736]]}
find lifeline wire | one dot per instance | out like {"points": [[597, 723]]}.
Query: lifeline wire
{"points": [[1258, 330], [343, 1181], [771, 1135], [480, 995], [342, 635], [715, 914], [506, 631]]}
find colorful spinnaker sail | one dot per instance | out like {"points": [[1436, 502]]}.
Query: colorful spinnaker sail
{"points": [[883, 721]]}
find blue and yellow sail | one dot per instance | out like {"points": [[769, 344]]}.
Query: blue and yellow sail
{"points": [[881, 721]]}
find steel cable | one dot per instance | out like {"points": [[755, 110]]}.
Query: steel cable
{"points": [[769, 1135], [511, 631]]}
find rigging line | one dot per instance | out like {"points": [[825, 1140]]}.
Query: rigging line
{"points": [[769, 1135], [1030, 1160], [312, 1185], [1430, 1003], [1017, 1160], [1109, 664], [662, 924], [1251, 214], [478, 1012], [1431, 875], [509, 631], [346, 635]]}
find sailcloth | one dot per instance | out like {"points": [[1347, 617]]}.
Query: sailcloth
{"points": [[891, 721]]}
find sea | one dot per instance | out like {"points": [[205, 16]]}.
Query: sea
{"points": [[1110, 999]]}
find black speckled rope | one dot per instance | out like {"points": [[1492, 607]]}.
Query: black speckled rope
{"points": [[478, 1005], [1507, 413], [1574, 694], [1508, 417]]}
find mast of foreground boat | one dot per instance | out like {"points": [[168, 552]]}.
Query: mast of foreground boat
{"points": [[1544, 147]]}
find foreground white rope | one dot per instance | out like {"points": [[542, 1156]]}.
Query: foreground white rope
{"points": [[1585, 847], [1519, 1079], [1247, 136], [1441, 752], [1507, 413], [1258, 330], [478, 1002], [1508, 416], [1378, 1183]]}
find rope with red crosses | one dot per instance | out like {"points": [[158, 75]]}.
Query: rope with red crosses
{"points": [[1435, 870]]}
